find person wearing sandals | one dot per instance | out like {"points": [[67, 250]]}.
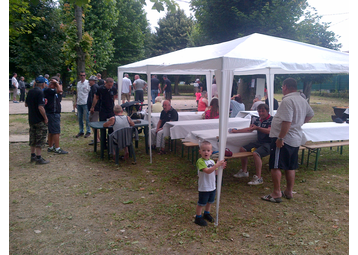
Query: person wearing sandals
{"points": [[157, 134], [286, 136], [119, 121], [207, 183], [261, 146]]}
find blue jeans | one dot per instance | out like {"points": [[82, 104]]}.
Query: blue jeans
{"points": [[154, 95], [83, 110]]}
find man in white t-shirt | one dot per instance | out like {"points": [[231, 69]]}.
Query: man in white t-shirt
{"points": [[126, 89], [16, 85], [286, 137], [83, 88]]}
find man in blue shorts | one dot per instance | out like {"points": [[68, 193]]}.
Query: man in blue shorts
{"points": [[286, 134], [53, 95], [261, 146]]}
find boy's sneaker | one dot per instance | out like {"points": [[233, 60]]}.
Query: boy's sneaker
{"points": [[256, 180], [41, 161], [50, 150], [60, 151], [200, 221], [208, 217], [241, 174], [33, 159]]}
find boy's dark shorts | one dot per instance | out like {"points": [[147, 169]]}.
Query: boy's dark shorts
{"points": [[285, 158], [54, 123], [206, 197], [38, 133], [262, 149]]}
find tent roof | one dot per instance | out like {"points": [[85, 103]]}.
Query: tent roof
{"points": [[253, 54]]}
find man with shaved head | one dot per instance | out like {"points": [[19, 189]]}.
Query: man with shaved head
{"points": [[107, 94], [168, 114]]}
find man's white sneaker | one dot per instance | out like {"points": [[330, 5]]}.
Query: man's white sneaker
{"points": [[241, 174], [256, 180]]}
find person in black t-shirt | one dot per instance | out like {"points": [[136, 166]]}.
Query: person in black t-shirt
{"points": [[35, 102], [261, 147], [157, 134], [154, 87], [93, 116], [107, 94], [53, 94], [167, 88]]}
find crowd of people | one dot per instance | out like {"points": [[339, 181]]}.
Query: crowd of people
{"points": [[278, 137]]}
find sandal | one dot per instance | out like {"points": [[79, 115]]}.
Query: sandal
{"points": [[268, 198], [285, 196]]}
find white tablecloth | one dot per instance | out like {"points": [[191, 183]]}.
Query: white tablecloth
{"points": [[234, 141], [180, 129], [325, 131], [182, 116], [315, 132], [248, 114]]}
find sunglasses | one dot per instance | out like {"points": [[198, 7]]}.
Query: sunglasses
{"points": [[82, 75]]}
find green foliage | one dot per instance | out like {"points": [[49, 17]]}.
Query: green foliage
{"points": [[38, 51], [220, 21], [173, 32], [21, 20]]}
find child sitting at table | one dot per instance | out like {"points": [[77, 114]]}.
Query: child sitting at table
{"points": [[207, 184]]}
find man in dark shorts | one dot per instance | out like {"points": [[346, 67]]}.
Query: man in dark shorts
{"points": [[167, 88], [106, 94], [261, 147], [35, 102], [286, 134], [53, 95]]}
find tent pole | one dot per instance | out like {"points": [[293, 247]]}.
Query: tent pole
{"points": [[149, 82]]}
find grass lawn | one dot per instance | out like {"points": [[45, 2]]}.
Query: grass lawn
{"points": [[80, 204]]}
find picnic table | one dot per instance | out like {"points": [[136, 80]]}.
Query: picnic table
{"points": [[180, 129], [103, 134], [155, 116]]}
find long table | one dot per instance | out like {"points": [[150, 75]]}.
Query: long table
{"points": [[180, 129], [315, 132], [182, 116], [103, 132]]}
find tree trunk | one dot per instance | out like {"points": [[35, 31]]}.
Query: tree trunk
{"points": [[80, 59], [244, 90], [176, 87], [307, 86]]}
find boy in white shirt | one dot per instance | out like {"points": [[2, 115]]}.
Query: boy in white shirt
{"points": [[207, 183]]}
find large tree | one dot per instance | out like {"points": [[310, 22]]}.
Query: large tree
{"points": [[37, 49]]}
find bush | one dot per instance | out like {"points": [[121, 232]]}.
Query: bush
{"points": [[335, 94]]}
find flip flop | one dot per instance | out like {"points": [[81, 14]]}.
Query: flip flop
{"points": [[268, 198], [284, 195]]}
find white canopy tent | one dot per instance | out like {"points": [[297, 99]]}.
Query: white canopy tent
{"points": [[253, 54]]}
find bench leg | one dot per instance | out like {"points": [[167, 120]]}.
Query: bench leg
{"points": [[341, 150], [317, 156], [302, 157], [182, 150]]}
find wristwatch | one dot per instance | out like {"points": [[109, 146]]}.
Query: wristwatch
{"points": [[280, 139]]}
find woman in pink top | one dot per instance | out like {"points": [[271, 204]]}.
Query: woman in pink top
{"points": [[213, 111], [203, 101]]}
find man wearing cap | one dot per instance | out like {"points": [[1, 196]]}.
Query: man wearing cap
{"points": [[53, 95], [126, 89], [83, 88], [167, 88], [200, 85], [93, 116], [35, 102]]}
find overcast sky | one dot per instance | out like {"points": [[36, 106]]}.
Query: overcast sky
{"points": [[332, 11]]}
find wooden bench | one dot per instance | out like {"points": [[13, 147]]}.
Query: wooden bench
{"points": [[316, 148], [193, 146]]}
